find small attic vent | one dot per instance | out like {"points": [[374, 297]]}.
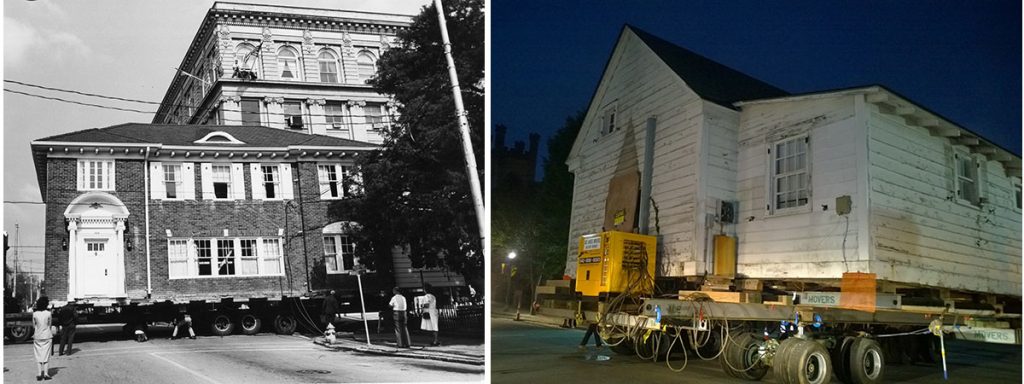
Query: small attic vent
{"points": [[218, 137]]}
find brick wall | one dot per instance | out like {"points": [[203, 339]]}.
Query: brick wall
{"points": [[198, 218]]}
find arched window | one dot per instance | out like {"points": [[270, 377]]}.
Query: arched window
{"points": [[328, 67], [246, 61], [367, 64], [288, 64]]}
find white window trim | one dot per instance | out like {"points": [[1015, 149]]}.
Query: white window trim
{"points": [[297, 72], [608, 115], [359, 66], [773, 209], [959, 153], [339, 257], [192, 260], [339, 77], [285, 190], [236, 183], [108, 168], [339, 171]]}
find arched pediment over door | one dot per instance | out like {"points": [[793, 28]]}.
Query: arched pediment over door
{"points": [[96, 224]]}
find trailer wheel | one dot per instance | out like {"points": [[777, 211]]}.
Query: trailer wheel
{"points": [[841, 358], [781, 358], [741, 359], [250, 324], [808, 363], [221, 325], [19, 333], [284, 324], [866, 362]]}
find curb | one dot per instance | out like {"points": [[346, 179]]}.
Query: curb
{"points": [[549, 321], [388, 351]]}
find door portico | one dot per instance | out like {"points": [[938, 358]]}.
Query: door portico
{"points": [[96, 224]]}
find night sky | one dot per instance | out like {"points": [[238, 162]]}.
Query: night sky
{"points": [[959, 59]]}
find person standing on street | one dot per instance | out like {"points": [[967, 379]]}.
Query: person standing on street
{"points": [[68, 318], [186, 322], [399, 307], [428, 313], [330, 310], [42, 320]]}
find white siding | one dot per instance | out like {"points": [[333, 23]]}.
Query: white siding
{"points": [[717, 180], [641, 86], [808, 243], [921, 234]]}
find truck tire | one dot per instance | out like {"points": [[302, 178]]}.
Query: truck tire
{"points": [[250, 324], [221, 325], [866, 362], [808, 363], [781, 358], [19, 333], [841, 358], [741, 359], [284, 324]]}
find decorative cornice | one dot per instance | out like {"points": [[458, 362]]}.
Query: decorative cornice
{"points": [[316, 101], [230, 99], [273, 100], [356, 102], [384, 44], [267, 35]]}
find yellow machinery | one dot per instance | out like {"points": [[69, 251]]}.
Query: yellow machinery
{"points": [[609, 261]]}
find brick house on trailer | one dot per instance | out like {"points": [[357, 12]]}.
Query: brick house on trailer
{"points": [[851, 180], [169, 212]]}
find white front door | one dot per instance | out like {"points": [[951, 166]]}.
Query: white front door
{"points": [[96, 273]]}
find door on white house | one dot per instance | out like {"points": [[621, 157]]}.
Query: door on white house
{"points": [[96, 268]]}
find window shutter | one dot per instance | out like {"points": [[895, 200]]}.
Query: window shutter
{"points": [[156, 181], [321, 175], [340, 171], [188, 181], [256, 174], [286, 182], [206, 172], [237, 181]]}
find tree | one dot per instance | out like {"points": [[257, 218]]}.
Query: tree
{"points": [[533, 219], [416, 191]]}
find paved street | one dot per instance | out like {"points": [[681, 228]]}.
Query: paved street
{"points": [[525, 352], [263, 358]]}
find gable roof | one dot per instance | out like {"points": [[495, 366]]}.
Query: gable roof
{"points": [[187, 135], [710, 80]]}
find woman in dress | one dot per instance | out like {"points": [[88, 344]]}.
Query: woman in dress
{"points": [[42, 319], [428, 310]]}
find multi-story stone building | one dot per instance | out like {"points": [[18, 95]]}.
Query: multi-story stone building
{"points": [[291, 68]]}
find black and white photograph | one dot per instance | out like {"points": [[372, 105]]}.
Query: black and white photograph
{"points": [[244, 192], [737, 191]]}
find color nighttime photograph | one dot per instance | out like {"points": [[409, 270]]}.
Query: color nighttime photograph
{"points": [[786, 192]]}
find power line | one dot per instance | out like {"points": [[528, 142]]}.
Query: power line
{"points": [[80, 93], [77, 102]]}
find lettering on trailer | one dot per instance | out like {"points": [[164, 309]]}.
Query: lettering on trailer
{"points": [[591, 243], [819, 298], [989, 335], [634, 254]]}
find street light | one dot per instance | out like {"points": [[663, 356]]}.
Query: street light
{"points": [[508, 284]]}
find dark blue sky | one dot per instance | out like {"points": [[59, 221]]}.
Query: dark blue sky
{"points": [[961, 59]]}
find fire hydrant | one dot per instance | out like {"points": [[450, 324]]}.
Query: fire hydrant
{"points": [[329, 334]]}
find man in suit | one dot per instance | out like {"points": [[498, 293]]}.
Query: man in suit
{"points": [[68, 320]]}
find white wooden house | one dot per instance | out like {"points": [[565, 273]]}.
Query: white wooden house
{"points": [[930, 203]]}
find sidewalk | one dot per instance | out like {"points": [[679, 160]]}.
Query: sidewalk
{"points": [[548, 317], [456, 347]]}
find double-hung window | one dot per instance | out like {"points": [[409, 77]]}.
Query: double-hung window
{"points": [[374, 117], [339, 253], [966, 178], [221, 181], [335, 113], [329, 177], [328, 67], [250, 111], [177, 257], [172, 180], [790, 175], [224, 257], [271, 181], [95, 175], [293, 114], [366, 63]]}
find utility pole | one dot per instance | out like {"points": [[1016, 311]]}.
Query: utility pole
{"points": [[17, 251], [467, 145]]}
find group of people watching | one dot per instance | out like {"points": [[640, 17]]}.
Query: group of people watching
{"points": [[426, 305]]}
